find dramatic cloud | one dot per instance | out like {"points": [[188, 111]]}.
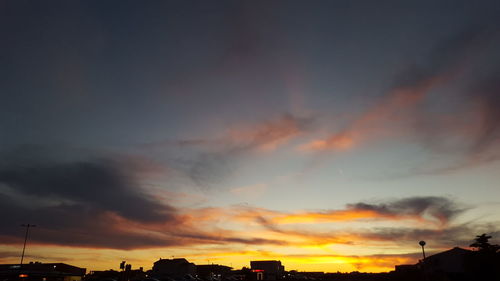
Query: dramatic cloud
{"points": [[461, 234], [83, 203], [425, 217], [434, 210], [97, 204], [106, 216], [98, 185]]}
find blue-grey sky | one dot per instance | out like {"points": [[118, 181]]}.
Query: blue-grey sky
{"points": [[232, 126]]}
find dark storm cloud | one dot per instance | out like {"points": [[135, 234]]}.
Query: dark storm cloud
{"points": [[81, 203], [440, 208], [93, 203], [72, 225], [97, 184], [450, 236], [80, 225]]}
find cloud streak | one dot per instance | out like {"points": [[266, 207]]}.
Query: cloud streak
{"points": [[410, 89], [465, 131], [216, 158]]}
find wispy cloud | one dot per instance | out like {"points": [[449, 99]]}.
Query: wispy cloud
{"points": [[265, 135], [467, 133], [254, 190], [411, 88], [214, 159]]}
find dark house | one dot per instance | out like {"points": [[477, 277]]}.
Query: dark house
{"points": [[453, 264], [127, 274], [35, 271], [451, 261], [173, 268], [212, 271]]}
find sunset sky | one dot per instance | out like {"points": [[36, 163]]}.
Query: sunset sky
{"points": [[330, 135]]}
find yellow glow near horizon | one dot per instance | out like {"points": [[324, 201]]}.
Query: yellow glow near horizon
{"points": [[103, 259]]}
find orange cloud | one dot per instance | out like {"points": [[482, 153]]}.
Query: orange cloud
{"points": [[432, 210], [332, 216], [445, 63], [377, 120], [269, 135], [337, 142]]}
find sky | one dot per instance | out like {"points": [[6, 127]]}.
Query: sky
{"points": [[330, 135]]}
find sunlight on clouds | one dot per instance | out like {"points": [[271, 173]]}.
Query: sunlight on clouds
{"points": [[339, 142], [347, 215]]}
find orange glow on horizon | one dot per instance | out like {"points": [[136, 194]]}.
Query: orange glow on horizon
{"points": [[341, 215], [103, 259]]}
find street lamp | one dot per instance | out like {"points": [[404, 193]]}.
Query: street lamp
{"points": [[422, 244], [25, 239]]}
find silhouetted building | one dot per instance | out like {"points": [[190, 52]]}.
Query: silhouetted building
{"points": [[407, 268], [453, 264], [131, 274], [451, 261], [173, 268], [212, 271], [267, 270], [304, 275], [41, 271]]}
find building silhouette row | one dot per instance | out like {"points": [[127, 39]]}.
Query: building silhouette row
{"points": [[178, 269], [454, 264]]}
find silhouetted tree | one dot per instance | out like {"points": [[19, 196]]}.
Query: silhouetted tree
{"points": [[485, 261], [482, 244]]}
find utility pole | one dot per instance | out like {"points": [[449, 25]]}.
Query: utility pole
{"points": [[25, 240]]}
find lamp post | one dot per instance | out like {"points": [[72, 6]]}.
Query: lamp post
{"points": [[422, 244], [25, 239]]}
